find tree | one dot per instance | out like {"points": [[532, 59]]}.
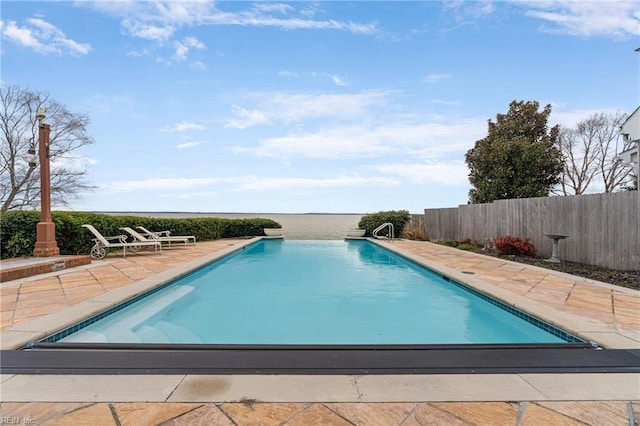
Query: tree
{"points": [[518, 158], [580, 160], [589, 153], [19, 183], [631, 186], [613, 173]]}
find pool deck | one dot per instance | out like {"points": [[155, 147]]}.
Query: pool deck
{"points": [[610, 315]]}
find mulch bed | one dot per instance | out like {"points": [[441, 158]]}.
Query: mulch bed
{"points": [[629, 279]]}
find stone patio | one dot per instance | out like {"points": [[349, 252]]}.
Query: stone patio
{"points": [[609, 314]]}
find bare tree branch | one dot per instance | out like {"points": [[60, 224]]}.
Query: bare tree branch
{"points": [[612, 172], [589, 153], [19, 183]]}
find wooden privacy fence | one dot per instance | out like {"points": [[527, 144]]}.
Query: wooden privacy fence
{"points": [[603, 229]]}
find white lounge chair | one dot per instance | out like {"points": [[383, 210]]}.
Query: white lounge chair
{"points": [[143, 238], [166, 237], [103, 244]]}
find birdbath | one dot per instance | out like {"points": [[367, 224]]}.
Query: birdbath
{"points": [[554, 253]]}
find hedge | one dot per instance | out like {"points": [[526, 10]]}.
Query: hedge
{"points": [[399, 219], [18, 229]]}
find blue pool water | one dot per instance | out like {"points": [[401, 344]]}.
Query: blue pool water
{"points": [[314, 292]]}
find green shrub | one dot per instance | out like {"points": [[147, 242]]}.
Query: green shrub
{"points": [[244, 227], [466, 246], [371, 221], [17, 244], [450, 243], [18, 229], [17, 232]]}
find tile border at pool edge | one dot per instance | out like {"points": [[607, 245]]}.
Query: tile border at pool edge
{"points": [[20, 335], [606, 338]]}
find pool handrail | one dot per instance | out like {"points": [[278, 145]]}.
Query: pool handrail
{"points": [[380, 228]]}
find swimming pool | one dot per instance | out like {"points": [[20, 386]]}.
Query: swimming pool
{"points": [[313, 293]]}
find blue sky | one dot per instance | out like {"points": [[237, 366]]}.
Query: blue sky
{"points": [[298, 107]]}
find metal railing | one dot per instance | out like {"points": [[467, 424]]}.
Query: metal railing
{"points": [[380, 228]]}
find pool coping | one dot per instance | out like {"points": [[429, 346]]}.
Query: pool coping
{"points": [[21, 335], [249, 389]]}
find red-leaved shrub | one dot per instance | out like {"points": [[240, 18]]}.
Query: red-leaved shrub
{"points": [[515, 246]]}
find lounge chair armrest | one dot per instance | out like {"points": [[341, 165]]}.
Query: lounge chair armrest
{"points": [[118, 238]]}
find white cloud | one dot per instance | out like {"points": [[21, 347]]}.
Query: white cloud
{"points": [[78, 162], [335, 79], [570, 118], [338, 81], [244, 118], [149, 31], [43, 37], [288, 74], [156, 184], [419, 139], [255, 183], [618, 19], [255, 18], [185, 145], [288, 107], [160, 22], [242, 183], [279, 8], [345, 142], [452, 173], [466, 11], [185, 12], [435, 78], [199, 66], [106, 103], [198, 195], [295, 106], [183, 47], [154, 20], [183, 126], [23, 36]]}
